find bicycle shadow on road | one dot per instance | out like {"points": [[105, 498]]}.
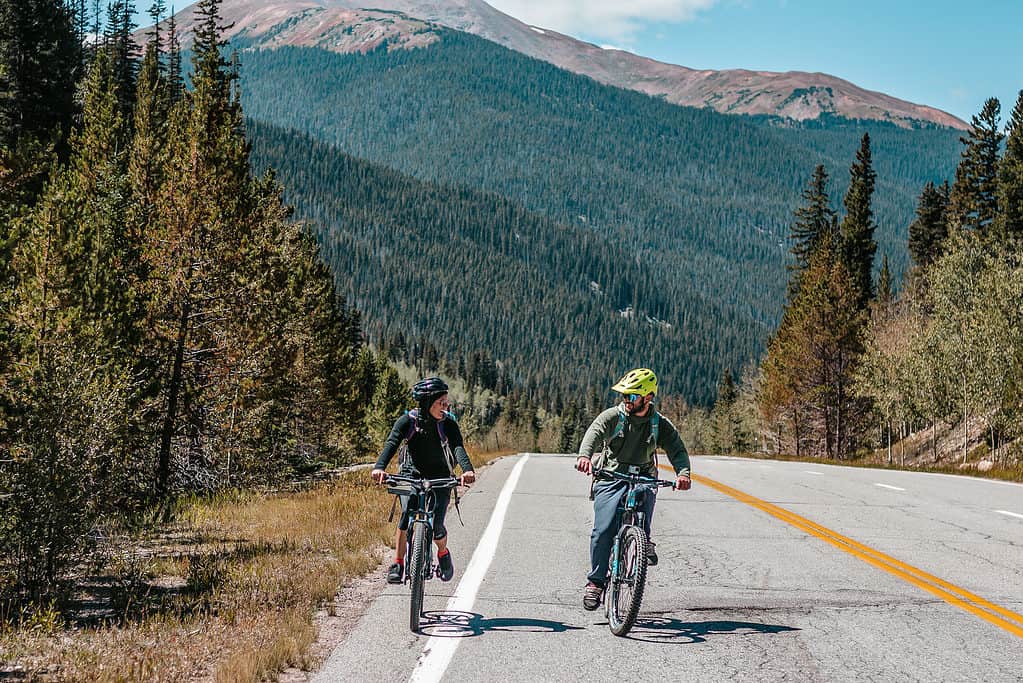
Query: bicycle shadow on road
{"points": [[675, 632], [469, 624]]}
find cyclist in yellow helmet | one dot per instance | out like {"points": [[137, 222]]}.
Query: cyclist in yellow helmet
{"points": [[624, 439]]}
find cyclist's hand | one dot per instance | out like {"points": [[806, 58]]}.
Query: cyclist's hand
{"points": [[584, 465], [378, 476], [467, 478], [683, 483]]}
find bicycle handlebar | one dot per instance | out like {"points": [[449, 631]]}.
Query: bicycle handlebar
{"points": [[632, 478], [422, 482]]}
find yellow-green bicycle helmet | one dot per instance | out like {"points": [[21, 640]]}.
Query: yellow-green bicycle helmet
{"points": [[640, 381]]}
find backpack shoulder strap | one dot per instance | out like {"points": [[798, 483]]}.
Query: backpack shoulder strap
{"points": [[655, 422], [414, 415], [440, 426], [620, 427]]}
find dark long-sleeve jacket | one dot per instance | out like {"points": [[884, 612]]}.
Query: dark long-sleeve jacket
{"points": [[634, 446], [424, 445]]}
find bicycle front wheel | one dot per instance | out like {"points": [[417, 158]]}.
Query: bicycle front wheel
{"points": [[628, 577], [417, 572]]}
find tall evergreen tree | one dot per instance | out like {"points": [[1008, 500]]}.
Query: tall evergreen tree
{"points": [[156, 15], [808, 370], [857, 232], [40, 63], [1009, 223], [973, 203], [194, 251], [389, 400], [928, 232], [175, 82], [120, 43], [885, 286], [815, 220], [75, 327]]}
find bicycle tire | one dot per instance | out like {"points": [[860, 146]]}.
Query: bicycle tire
{"points": [[417, 573], [627, 584]]}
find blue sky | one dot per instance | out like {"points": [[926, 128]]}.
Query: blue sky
{"points": [[945, 54]]}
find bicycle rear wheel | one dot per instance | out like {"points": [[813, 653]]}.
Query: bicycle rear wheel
{"points": [[417, 572], [628, 577]]}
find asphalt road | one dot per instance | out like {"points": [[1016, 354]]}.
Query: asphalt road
{"points": [[769, 571]]}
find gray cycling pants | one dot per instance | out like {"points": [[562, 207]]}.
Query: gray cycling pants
{"points": [[607, 497]]}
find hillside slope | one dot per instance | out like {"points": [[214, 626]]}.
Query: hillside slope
{"points": [[471, 272], [702, 197]]}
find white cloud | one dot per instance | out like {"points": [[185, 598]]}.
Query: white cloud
{"points": [[609, 19]]}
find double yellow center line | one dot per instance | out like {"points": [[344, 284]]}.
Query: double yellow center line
{"points": [[961, 598]]}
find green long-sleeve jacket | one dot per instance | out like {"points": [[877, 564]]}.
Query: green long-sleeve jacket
{"points": [[634, 446]]}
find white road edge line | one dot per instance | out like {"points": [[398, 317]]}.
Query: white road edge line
{"points": [[812, 472], [1011, 514], [889, 486], [438, 651]]}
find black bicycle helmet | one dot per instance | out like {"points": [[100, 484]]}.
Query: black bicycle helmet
{"points": [[428, 390]]}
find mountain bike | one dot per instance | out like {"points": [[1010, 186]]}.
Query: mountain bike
{"points": [[626, 573], [419, 539]]}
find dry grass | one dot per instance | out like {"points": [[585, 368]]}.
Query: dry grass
{"points": [[226, 594], [251, 575]]}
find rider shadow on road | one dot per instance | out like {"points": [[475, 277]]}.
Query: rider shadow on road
{"points": [[675, 632], [469, 624]]}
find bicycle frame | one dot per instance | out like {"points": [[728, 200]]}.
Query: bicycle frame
{"points": [[629, 513], [632, 534], [420, 513]]}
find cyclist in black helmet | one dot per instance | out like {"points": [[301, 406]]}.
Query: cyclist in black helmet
{"points": [[434, 447]]}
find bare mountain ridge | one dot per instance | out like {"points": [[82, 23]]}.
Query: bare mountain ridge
{"points": [[362, 25]]}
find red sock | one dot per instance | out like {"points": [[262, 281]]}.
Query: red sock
{"points": [[443, 553], [399, 561]]}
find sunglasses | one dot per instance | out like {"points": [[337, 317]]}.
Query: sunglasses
{"points": [[632, 398]]}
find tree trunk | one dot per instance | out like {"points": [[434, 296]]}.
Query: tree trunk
{"points": [[966, 421], [902, 441], [890, 442], [170, 417], [840, 447]]}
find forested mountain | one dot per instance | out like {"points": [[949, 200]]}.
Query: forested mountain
{"points": [[472, 272], [359, 25], [699, 202]]}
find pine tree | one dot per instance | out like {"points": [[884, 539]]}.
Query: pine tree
{"points": [[40, 63], [928, 232], [814, 221], [194, 251], [121, 45], [156, 14], [973, 203], [175, 82], [857, 232], [885, 287], [389, 400], [75, 323], [722, 428], [1009, 222], [808, 370]]}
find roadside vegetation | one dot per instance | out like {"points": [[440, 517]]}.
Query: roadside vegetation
{"points": [[928, 376], [174, 355], [229, 591]]}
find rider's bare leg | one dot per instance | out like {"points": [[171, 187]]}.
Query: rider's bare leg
{"points": [[399, 546]]}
